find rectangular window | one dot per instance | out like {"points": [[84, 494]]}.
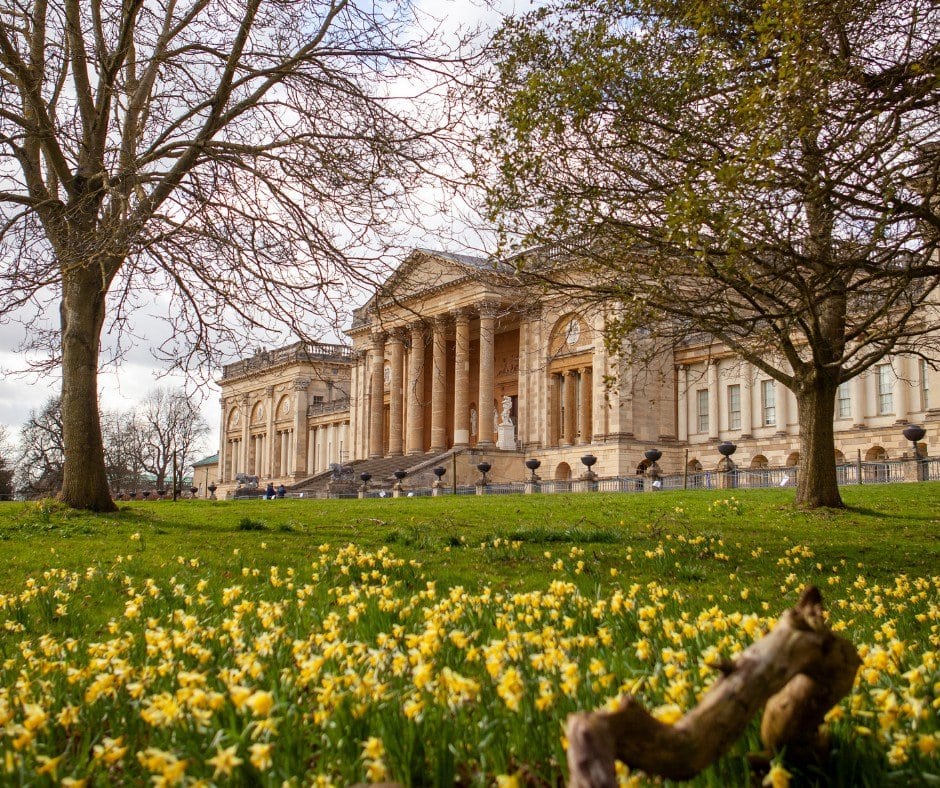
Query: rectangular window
{"points": [[768, 390], [885, 389], [924, 385], [734, 407], [317, 399], [702, 398], [843, 402]]}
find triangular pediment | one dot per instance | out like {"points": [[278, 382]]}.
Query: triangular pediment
{"points": [[424, 270]]}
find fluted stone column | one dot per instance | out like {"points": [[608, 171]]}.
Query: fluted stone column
{"points": [[571, 416], [416, 392], [377, 416], [713, 401], [584, 405], [683, 376], [487, 373], [439, 386], [312, 451], [396, 443], [462, 378]]}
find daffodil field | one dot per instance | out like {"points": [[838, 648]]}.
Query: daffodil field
{"points": [[281, 658]]}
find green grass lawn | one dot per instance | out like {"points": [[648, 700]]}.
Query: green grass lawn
{"points": [[886, 530], [244, 642]]}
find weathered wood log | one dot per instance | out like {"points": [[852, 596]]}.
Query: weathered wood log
{"points": [[800, 669]]}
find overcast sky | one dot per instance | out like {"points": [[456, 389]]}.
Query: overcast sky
{"points": [[125, 385]]}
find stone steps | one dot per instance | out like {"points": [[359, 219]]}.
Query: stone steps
{"points": [[381, 468]]}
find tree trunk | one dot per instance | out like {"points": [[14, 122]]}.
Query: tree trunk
{"points": [[82, 310], [817, 483]]}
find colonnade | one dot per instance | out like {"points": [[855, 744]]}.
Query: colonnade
{"points": [[406, 415], [571, 407], [328, 443]]}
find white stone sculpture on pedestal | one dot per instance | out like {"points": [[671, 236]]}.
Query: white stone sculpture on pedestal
{"points": [[506, 430]]}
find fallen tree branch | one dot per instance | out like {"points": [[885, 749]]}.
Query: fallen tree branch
{"points": [[798, 671]]}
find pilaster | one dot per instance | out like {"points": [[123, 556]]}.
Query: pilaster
{"points": [[747, 399], [584, 404], [683, 407], [223, 441], [245, 417], [269, 432], [598, 383], [300, 425], [713, 401], [902, 389], [783, 408], [859, 404]]}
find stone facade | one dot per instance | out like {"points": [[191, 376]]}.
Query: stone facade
{"points": [[451, 354], [284, 414]]}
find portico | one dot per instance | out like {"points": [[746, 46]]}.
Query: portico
{"points": [[437, 367], [434, 384]]}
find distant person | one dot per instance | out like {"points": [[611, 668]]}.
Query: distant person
{"points": [[269, 492], [281, 491]]}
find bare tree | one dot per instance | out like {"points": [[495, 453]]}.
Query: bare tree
{"points": [[234, 158], [123, 449], [42, 452], [171, 429], [6, 465], [766, 175]]}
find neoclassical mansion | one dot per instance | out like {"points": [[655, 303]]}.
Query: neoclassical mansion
{"points": [[451, 361]]}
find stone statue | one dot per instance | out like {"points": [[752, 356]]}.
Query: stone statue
{"points": [[507, 409], [473, 421]]}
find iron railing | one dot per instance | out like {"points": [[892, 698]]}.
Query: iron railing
{"points": [[868, 472]]}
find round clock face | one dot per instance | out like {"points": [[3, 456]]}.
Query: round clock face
{"points": [[573, 334]]}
